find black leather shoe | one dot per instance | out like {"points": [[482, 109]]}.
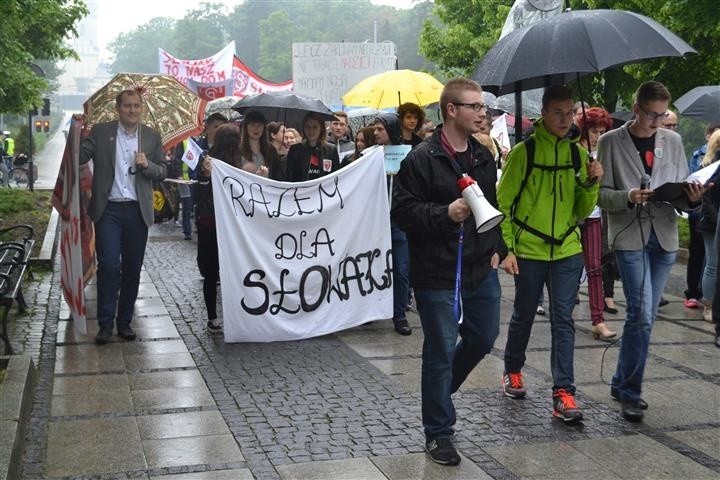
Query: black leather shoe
{"points": [[717, 341], [612, 310], [632, 411], [103, 336], [402, 327], [641, 404], [126, 333]]}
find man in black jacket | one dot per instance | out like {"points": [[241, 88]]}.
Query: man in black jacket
{"points": [[427, 205]]}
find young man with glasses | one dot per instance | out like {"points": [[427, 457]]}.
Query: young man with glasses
{"points": [[643, 232], [542, 201], [428, 206]]}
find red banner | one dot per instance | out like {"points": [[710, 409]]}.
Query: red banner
{"points": [[248, 82], [71, 197]]}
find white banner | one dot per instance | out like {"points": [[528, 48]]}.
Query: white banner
{"points": [[217, 68], [328, 70], [299, 260]]}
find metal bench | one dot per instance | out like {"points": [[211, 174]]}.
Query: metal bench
{"points": [[14, 255]]}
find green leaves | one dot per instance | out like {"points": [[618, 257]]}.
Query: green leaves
{"points": [[463, 31], [33, 30]]}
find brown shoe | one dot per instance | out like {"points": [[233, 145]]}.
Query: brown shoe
{"points": [[601, 331]]}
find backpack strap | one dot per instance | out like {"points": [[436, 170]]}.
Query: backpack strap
{"points": [[530, 163], [530, 159]]}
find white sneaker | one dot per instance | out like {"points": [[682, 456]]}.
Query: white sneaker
{"points": [[707, 314]]}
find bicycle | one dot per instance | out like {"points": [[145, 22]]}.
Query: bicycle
{"points": [[17, 177]]}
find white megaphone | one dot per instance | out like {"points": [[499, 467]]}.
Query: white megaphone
{"points": [[486, 216]]}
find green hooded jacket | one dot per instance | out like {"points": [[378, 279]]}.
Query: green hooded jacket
{"points": [[552, 202]]}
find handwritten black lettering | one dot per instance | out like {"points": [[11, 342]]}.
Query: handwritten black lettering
{"points": [[248, 282]]}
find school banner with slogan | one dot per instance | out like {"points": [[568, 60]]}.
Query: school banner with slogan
{"points": [[217, 68], [299, 260]]}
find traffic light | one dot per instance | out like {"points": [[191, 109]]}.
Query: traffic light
{"points": [[46, 126], [38, 126], [46, 107]]}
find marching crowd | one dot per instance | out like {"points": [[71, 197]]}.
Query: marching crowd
{"points": [[576, 195]]}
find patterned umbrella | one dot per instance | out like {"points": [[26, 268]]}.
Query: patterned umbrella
{"points": [[169, 107]]}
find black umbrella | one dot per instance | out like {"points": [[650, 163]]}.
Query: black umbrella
{"points": [[286, 107], [702, 103], [565, 46]]}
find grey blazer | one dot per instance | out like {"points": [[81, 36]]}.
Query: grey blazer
{"points": [[623, 170], [99, 146]]}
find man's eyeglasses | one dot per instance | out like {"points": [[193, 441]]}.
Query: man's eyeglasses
{"points": [[476, 107], [654, 115]]}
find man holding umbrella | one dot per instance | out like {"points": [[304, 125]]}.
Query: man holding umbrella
{"points": [[427, 205], [127, 157]]}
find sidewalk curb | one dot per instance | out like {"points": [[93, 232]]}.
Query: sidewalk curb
{"points": [[16, 397], [49, 244]]}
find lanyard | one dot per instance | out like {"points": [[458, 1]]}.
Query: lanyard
{"points": [[458, 274]]}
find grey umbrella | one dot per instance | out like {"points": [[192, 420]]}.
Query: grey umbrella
{"points": [[702, 103], [563, 47], [286, 107]]}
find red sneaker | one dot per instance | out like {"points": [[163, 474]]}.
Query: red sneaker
{"points": [[565, 408]]}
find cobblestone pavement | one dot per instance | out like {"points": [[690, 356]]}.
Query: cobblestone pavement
{"points": [[348, 405]]}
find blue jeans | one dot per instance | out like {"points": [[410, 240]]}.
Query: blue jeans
{"points": [[446, 363], [562, 278], [644, 274], [401, 272], [708, 278], [120, 238]]}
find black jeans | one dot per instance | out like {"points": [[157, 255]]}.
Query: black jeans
{"points": [[696, 261], [207, 260]]}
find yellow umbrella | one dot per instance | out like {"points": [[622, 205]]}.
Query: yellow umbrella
{"points": [[169, 107], [392, 88]]}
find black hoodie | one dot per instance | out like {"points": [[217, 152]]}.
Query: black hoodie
{"points": [[391, 122]]}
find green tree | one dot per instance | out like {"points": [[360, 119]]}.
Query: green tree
{"points": [[32, 30], [136, 51], [201, 32], [460, 32], [277, 33], [463, 31]]}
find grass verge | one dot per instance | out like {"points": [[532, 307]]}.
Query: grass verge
{"points": [[19, 207]]}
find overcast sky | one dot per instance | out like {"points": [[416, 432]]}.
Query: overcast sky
{"points": [[118, 16]]}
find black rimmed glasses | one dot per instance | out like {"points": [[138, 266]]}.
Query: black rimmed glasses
{"points": [[654, 115], [476, 107]]}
